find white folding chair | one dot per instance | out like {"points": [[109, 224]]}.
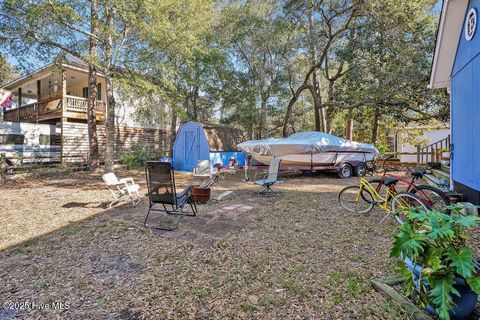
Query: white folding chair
{"points": [[270, 178], [121, 188]]}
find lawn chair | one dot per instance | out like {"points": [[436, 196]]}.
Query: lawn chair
{"points": [[162, 191], [121, 188], [203, 169], [270, 178]]}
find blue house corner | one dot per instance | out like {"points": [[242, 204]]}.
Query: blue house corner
{"points": [[456, 67]]}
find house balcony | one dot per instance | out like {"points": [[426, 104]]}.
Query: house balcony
{"points": [[53, 109]]}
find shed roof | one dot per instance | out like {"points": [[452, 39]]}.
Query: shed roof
{"points": [[222, 137]]}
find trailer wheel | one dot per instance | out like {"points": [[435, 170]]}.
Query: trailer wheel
{"points": [[346, 171], [361, 169]]}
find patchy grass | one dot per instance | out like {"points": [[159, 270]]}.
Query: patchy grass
{"points": [[298, 255]]}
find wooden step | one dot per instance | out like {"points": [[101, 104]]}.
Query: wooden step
{"points": [[434, 181], [431, 180], [441, 174], [446, 168]]}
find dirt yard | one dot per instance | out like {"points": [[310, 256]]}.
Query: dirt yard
{"points": [[297, 255]]}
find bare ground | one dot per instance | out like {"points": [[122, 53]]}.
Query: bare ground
{"points": [[297, 255]]}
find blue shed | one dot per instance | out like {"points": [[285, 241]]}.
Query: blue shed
{"points": [[456, 67], [199, 141]]}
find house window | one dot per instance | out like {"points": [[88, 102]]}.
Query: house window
{"points": [[50, 140], [99, 92], [16, 139]]}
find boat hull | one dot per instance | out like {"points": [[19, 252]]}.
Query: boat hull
{"points": [[324, 159]]}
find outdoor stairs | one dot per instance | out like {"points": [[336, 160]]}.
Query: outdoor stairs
{"points": [[439, 178]]}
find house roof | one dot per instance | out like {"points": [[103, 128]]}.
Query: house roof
{"points": [[449, 30], [222, 137], [69, 62]]}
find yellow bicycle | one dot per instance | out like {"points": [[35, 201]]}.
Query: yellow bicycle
{"points": [[363, 197]]}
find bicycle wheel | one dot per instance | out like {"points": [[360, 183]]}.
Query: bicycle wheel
{"points": [[433, 197], [379, 187], [351, 201], [402, 202]]}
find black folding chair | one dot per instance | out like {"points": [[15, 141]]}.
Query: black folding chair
{"points": [[162, 191]]}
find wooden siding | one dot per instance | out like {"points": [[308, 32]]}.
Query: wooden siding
{"points": [[75, 140]]}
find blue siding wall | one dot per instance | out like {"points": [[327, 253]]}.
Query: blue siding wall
{"points": [[467, 50], [190, 146], [465, 110]]}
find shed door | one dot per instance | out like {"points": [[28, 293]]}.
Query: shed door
{"points": [[192, 148]]}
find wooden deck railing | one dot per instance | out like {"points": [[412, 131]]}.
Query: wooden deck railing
{"points": [[45, 110], [77, 104], [433, 152], [430, 153], [42, 110]]}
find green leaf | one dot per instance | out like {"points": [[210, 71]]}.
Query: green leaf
{"points": [[418, 215], [440, 297], [434, 259], [465, 221], [405, 245], [462, 261], [440, 230], [408, 283], [474, 283]]}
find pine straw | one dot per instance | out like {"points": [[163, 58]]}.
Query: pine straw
{"points": [[299, 255]]}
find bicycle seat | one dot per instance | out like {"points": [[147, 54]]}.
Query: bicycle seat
{"points": [[418, 173], [389, 181]]}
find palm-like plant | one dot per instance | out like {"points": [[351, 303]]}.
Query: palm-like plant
{"points": [[437, 242]]}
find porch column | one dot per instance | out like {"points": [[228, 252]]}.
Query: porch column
{"points": [[19, 97], [19, 103], [64, 91], [39, 84], [64, 109]]}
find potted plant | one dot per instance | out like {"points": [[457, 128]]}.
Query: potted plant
{"points": [[440, 271]]}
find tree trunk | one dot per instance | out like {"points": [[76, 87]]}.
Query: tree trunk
{"points": [[376, 118], [92, 91], [175, 103], [263, 121], [349, 124], [295, 95], [328, 110], [173, 130], [110, 126], [263, 130], [222, 109], [316, 92], [110, 119], [196, 90]]}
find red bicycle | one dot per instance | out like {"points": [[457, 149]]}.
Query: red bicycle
{"points": [[434, 198]]}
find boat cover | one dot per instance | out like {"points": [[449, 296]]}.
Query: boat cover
{"points": [[309, 142]]}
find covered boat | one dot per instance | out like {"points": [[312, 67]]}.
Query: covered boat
{"points": [[313, 151]]}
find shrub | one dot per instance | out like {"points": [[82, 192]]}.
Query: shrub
{"points": [[437, 242], [137, 158]]}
